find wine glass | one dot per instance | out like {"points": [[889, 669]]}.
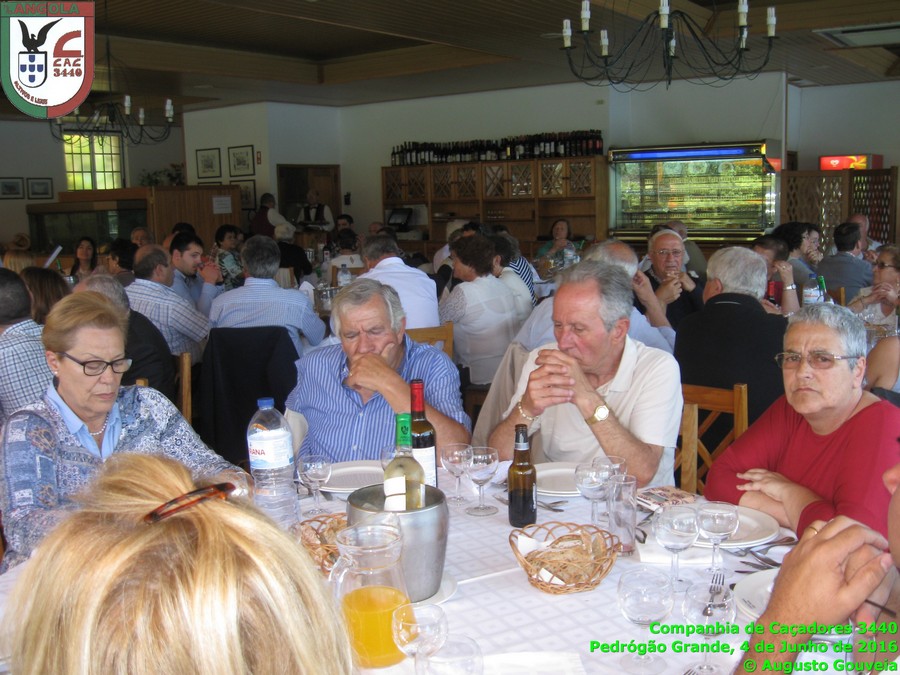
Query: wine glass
{"points": [[717, 521], [676, 530], [645, 596], [608, 465], [387, 455], [419, 629], [313, 470], [710, 604], [591, 483], [456, 458], [458, 655], [480, 471]]}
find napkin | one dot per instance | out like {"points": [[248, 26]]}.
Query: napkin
{"points": [[534, 663], [654, 554]]}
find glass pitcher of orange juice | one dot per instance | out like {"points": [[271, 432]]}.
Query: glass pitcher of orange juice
{"points": [[369, 585]]}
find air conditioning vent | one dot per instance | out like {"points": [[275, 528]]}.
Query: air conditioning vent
{"points": [[876, 35]]}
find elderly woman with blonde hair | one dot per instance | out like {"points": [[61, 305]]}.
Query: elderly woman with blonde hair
{"points": [[153, 574], [52, 448]]}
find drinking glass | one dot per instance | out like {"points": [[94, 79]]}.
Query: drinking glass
{"points": [[387, 455], [459, 655], [645, 596], [717, 521], [456, 458], [710, 604], [591, 483], [622, 501], [608, 466], [419, 629], [676, 530], [480, 471], [313, 471]]}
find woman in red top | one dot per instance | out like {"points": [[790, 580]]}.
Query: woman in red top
{"points": [[822, 448]]}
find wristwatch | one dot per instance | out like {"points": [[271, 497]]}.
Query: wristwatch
{"points": [[601, 412]]}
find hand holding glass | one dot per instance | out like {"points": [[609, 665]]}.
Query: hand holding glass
{"points": [[313, 471], [483, 467], [456, 458]]}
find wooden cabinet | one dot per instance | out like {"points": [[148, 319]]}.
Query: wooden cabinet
{"points": [[525, 195]]}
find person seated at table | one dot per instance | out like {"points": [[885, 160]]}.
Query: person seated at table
{"points": [[52, 448], [47, 288], [818, 451], [85, 258], [482, 308], [878, 303], [120, 260], [347, 395], [780, 271], [596, 391], [159, 573], [504, 251], [679, 291], [883, 365], [347, 243], [844, 269], [802, 240], [225, 254], [560, 239]]}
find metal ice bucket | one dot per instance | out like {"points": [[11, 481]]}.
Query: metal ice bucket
{"points": [[424, 536]]}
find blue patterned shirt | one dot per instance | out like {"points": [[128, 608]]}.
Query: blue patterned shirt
{"points": [[262, 302], [521, 267], [178, 320], [341, 426], [45, 463], [196, 291], [24, 374]]}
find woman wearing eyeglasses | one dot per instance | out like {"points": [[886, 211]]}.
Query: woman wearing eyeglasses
{"points": [[877, 304], [821, 449], [52, 448]]}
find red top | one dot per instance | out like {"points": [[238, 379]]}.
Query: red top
{"points": [[844, 467]]}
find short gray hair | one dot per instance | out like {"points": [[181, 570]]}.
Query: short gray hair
{"points": [[110, 287], [261, 256], [359, 293], [664, 232], [379, 246], [613, 287], [849, 327], [615, 252], [740, 270]]}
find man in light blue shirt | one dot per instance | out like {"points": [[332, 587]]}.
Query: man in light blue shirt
{"points": [[262, 302], [196, 282], [347, 395]]}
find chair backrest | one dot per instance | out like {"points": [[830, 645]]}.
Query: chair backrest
{"points": [[433, 335], [183, 384], [355, 271], [142, 382], [839, 295], [693, 457]]}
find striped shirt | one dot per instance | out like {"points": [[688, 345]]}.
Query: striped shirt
{"points": [[341, 426], [261, 302], [521, 267], [182, 326], [24, 374]]}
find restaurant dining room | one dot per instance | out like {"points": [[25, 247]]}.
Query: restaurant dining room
{"points": [[495, 337]]}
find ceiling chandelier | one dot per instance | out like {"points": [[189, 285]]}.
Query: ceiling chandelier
{"points": [[687, 52], [115, 116]]}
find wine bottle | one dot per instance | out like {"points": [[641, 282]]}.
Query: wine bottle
{"points": [[422, 434], [823, 291], [404, 480], [522, 482], [770, 292]]}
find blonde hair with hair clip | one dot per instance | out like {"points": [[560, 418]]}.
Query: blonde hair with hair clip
{"points": [[214, 588]]}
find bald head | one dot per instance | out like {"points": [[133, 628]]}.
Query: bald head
{"points": [[153, 263], [615, 252]]}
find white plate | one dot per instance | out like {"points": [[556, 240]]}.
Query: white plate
{"points": [[755, 528], [751, 594], [556, 479], [445, 592], [347, 477]]}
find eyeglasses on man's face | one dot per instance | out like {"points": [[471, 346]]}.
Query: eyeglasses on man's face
{"points": [[94, 368], [816, 360], [883, 265], [666, 252]]}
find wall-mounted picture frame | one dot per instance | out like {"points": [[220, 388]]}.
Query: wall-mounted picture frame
{"points": [[240, 161], [12, 188], [248, 193], [40, 188], [210, 182], [209, 163]]}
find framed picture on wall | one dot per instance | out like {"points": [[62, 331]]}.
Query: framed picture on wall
{"points": [[12, 188], [40, 188], [240, 161], [209, 163], [248, 193]]}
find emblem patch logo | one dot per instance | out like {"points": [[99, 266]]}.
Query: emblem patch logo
{"points": [[48, 55]]}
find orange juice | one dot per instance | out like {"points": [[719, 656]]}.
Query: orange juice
{"points": [[368, 612]]}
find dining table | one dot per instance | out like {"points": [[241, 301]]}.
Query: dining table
{"points": [[520, 629]]}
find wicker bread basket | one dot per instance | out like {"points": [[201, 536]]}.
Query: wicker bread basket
{"points": [[577, 558], [318, 538]]}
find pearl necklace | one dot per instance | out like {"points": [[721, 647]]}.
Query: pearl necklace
{"points": [[102, 429]]}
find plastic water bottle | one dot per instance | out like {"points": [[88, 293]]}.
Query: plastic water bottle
{"points": [[271, 451], [811, 292], [344, 277]]}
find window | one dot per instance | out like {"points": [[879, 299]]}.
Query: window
{"points": [[93, 161]]}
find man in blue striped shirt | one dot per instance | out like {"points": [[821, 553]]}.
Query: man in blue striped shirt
{"points": [[347, 395]]}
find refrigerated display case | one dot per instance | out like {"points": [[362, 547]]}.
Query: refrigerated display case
{"points": [[721, 192]]}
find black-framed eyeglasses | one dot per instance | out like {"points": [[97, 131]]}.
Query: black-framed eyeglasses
{"points": [[816, 360], [883, 265], [189, 499], [96, 367]]}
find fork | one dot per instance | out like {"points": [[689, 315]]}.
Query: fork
{"points": [[716, 585], [550, 506], [741, 552]]}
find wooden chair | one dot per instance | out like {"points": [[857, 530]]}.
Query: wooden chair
{"points": [[693, 457], [183, 384], [433, 335], [839, 295], [355, 271], [142, 382]]}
